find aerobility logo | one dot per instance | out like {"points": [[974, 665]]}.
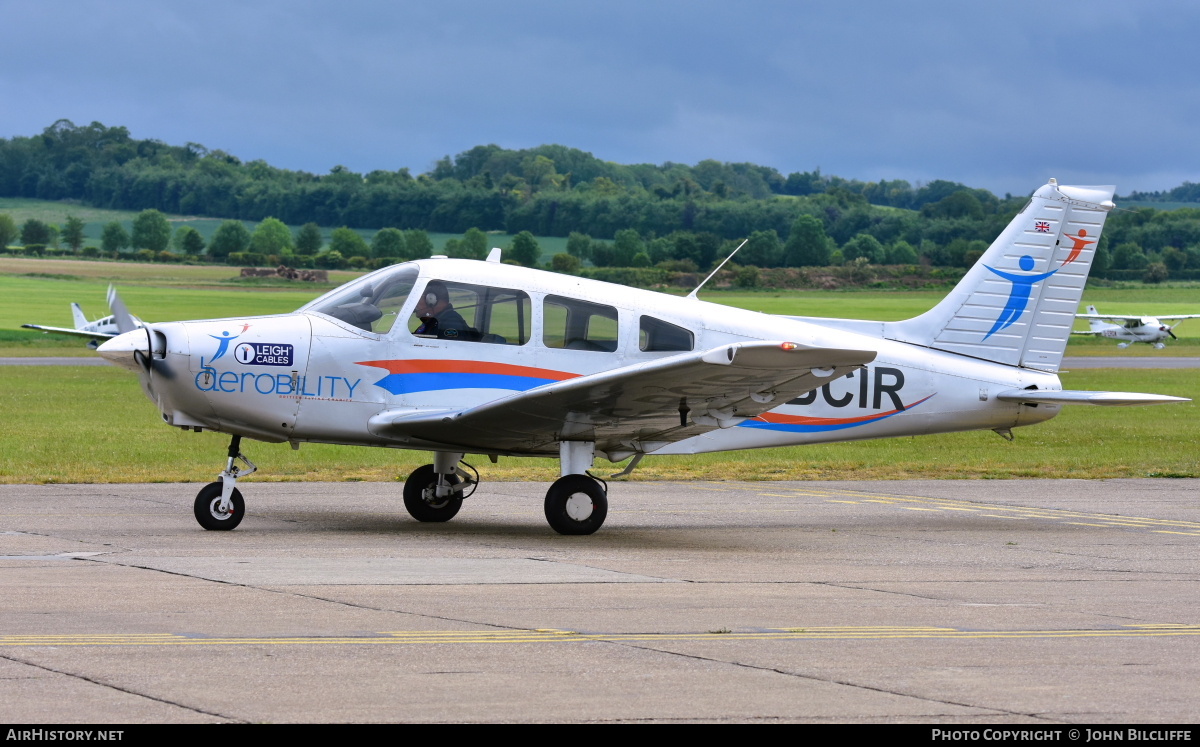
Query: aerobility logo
{"points": [[411, 376], [1018, 297], [275, 354], [1022, 285]]}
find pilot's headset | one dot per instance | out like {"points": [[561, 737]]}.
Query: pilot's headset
{"points": [[435, 292]]}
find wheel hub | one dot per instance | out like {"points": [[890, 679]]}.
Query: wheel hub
{"points": [[214, 508], [579, 506]]}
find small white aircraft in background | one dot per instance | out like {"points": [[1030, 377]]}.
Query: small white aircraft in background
{"points": [[100, 330], [1147, 329], [458, 357]]}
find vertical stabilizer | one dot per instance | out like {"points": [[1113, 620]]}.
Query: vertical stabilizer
{"points": [[78, 317], [1017, 304]]}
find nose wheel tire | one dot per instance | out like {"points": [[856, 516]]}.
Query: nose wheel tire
{"points": [[420, 496], [576, 504], [208, 508]]}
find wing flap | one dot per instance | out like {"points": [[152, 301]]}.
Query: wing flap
{"points": [[634, 408]]}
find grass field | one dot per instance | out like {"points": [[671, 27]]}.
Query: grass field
{"points": [[93, 424]]}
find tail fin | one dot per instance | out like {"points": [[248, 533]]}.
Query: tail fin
{"points": [[1095, 324], [1017, 304], [78, 317]]}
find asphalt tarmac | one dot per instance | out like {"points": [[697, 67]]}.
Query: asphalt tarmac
{"points": [[949, 602]]}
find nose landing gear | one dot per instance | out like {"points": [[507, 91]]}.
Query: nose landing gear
{"points": [[219, 505]]}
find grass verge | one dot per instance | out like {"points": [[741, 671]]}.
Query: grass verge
{"points": [[93, 425]]}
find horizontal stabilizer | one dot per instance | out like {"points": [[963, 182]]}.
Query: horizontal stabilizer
{"points": [[1112, 399]]}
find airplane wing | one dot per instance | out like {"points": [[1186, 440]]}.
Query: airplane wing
{"points": [[1179, 316], [67, 331], [1110, 317], [637, 408]]}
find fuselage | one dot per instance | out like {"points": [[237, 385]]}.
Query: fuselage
{"points": [[1145, 329], [320, 374]]}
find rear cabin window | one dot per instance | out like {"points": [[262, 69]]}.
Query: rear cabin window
{"points": [[655, 335], [476, 313], [570, 324]]}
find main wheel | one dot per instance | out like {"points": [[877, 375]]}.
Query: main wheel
{"points": [[421, 500], [576, 504], [208, 508]]}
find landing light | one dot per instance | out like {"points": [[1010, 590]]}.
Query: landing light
{"points": [[788, 345]]}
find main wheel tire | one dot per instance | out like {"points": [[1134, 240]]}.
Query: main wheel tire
{"points": [[208, 512], [576, 504], [420, 500]]}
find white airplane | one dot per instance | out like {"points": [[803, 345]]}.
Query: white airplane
{"points": [[1147, 329], [461, 357], [100, 330]]}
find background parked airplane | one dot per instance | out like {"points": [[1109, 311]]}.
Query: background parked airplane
{"points": [[118, 321], [1147, 329]]}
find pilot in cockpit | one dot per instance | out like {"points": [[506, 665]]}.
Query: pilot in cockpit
{"points": [[438, 317]]}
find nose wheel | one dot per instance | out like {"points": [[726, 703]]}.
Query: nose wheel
{"points": [[219, 505], [210, 513]]}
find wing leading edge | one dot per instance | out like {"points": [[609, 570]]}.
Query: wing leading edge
{"points": [[73, 332], [633, 409]]}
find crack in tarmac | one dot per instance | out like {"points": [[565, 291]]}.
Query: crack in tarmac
{"points": [[118, 688]]}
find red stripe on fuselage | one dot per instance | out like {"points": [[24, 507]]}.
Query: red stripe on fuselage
{"points": [[774, 417], [480, 367]]}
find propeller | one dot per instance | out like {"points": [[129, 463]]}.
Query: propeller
{"points": [[126, 322]]}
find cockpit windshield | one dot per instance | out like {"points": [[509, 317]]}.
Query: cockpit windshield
{"points": [[373, 302]]}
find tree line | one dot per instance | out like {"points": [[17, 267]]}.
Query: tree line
{"points": [[614, 215]]}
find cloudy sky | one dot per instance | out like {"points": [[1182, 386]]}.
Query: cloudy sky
{"points": [[998, 95]]}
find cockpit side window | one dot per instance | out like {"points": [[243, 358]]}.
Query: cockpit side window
{"points": [[655, 335], [372, 303], [578, 325], [472, 313]]}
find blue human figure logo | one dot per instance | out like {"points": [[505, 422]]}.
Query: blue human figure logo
{"points": [[224, 341], [1018, 299]]}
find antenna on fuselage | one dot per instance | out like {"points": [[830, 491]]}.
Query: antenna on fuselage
{"points": [[714, 272]]}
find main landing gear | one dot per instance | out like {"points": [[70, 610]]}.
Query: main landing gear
{"points": [[435, 492], [219, 505], [576, 503]]}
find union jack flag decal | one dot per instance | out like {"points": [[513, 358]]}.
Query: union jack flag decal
{"points": [[1042, 226]]}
